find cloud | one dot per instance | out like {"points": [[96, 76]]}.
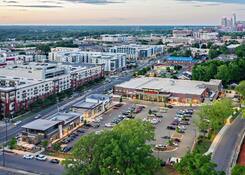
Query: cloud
{"points": [[35, 6], [217, 1], [94, 1]]}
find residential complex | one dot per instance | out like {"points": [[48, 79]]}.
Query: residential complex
{"points": [[136, 52], [21, 85], [168, 90], [111, 61], [117, 38]]}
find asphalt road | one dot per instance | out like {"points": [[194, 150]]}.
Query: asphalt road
{"points": [[34, 166], [223, 155]]}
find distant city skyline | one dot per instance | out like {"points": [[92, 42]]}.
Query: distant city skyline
{"points": [[119, 12]]}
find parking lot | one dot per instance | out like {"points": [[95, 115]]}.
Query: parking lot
{"points": [[165, 119], [161, 131]]}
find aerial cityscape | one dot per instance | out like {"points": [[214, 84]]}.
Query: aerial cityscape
{"points": [[122, 87]]}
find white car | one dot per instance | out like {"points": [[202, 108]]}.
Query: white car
{"points": [[181, 127], [28, 156], [175, 144], [17, 123], [109, 125], [40, 157], [37, 116]]}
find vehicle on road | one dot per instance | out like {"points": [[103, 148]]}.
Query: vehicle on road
{"points": [[55, 161], [28, 156], [17, 123], [37, 116], [40, 157]]}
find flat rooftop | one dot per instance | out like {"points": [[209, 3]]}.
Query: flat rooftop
{"points": [[65, 117], [85, 105], [168, 85], [41, 124], [100, 97]]}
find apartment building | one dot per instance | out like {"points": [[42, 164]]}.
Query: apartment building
{"points": [[111, 62], [138, 51], [21, 85], [117, 38]]}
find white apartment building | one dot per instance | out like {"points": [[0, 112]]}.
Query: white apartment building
{"points": [[21, 85], [138, 51], [110, 61], [179, 40], [206, 36], [116, 38], [182, 33]]}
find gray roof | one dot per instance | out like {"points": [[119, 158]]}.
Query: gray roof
{"points": [[86, 105], [66, 117], [41, 124], [168, 85]]}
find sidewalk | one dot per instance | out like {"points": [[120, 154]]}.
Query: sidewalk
{"points": [[16, 171]]}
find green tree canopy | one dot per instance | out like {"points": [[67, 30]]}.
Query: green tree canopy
{"points": [[240, 51], [197, 164], [120, 151], [241, 88], [214, 116], [238, 170]]}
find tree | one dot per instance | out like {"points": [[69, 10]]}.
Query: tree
{"points": [[241, 88], [223, 73], [121, 100], [12, 143], [214, 116], [238, 170], [122, 150], [197, 164], [56, 147], [44, 48], [44, 144], [240, 51], [150, 112]]}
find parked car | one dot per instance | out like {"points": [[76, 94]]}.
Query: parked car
{"points": [[55, 161], [166, 137], [181, 127], [160, 147], [110, 125], [81, 131], [66, 149], [171, 127], [96, 126], [28, 156], [40, 157], [175, 122]]}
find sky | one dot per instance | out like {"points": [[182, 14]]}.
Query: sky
{"points": [[119, 12]]}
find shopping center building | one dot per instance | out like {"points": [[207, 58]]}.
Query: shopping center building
{"points": [[168, 90]]}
